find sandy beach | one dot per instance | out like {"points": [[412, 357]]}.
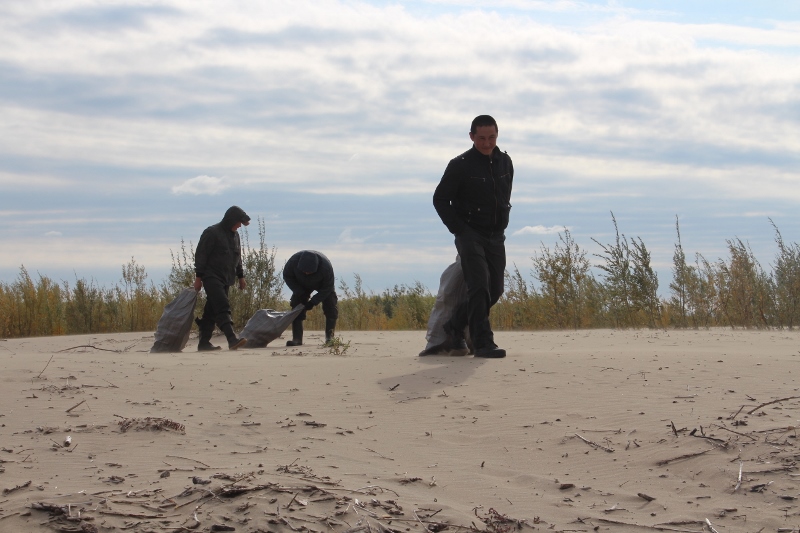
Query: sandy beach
{"points": [[574, 431]]}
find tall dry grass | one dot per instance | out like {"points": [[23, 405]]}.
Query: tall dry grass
{"points": [[560, 292]]}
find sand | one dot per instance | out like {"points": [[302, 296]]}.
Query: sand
{"points": [[574, 431]]}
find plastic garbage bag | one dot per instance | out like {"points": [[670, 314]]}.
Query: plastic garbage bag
{"points": [[175, 324], [452, 293], [266, 325]]}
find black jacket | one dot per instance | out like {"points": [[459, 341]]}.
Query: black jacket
{"points": [[475, 191], [219, 252], [321, 278]]}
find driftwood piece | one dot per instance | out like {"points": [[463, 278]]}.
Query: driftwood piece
{"points": [[18, 487]]}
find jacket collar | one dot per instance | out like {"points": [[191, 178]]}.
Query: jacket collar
{"points": [[495, 153]]}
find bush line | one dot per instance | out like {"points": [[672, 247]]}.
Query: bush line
{"points": [[734, 292]]}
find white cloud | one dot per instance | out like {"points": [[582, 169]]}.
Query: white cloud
{"points": [[540, 230], [367, 101], [208, 185], [346, 237], [53, 234]]}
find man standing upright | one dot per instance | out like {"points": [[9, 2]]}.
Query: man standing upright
{"points": [[473, 201], [217, 264], [305, 272]]}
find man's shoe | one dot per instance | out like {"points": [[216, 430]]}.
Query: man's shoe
{"points": [[490, 352], [294, 342], [235, 344], [439, 349], [207, 347], [459, 348]]}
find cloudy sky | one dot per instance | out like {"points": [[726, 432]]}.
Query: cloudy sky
{"points": [[128, 126]]}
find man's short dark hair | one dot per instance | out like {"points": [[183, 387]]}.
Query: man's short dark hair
{"points": [[483, 120]]}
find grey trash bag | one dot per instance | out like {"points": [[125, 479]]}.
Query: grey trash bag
{"points": [[452, 293], [266, 325], [175, 324]]}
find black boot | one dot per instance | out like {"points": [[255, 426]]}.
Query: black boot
{"points": [[330, 326], [297, 334], [204, 345], [234, 342], [455, 344]]}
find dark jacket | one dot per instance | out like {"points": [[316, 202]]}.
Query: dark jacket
{"points": [[219, 252], [475, 191], [321, 278]]}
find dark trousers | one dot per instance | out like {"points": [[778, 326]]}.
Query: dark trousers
{"points": [[217, 309], [330, 306], [483, 261]]}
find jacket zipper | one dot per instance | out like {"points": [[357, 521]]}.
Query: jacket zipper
{"points": [[494, 190]]}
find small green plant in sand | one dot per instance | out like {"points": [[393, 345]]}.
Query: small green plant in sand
{"points": [[337, 346]]}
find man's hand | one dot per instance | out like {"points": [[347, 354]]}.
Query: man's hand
{"points": [[198, 284], [242, 284]]}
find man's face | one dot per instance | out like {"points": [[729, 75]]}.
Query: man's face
{"points": [[485, 139], [239, 225]]}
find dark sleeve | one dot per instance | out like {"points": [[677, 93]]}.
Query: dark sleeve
{"points": [[446, 192], [289, 276], [239, 268], [511, 182], [202, 252], [328, 284]]}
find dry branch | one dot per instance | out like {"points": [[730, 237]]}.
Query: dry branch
{"points": [[736, 432], [89, 346], [590, 443], [45, 366], [76, 405], [680, 457], [753, 410]]}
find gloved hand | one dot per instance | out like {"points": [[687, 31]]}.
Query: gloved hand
{"points": [[309, 306]]}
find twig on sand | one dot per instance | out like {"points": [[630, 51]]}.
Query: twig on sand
{"points": [[414, 398], [186, 458], [680, 457], [736, 432], [739, 481], [708, 522], [733, 416], [371, 490], [770, 470], [600, 446], [657, 527], [380, 455], [76, 405], [45, 366], [721, 442], [753, 410], [89, 346]]}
